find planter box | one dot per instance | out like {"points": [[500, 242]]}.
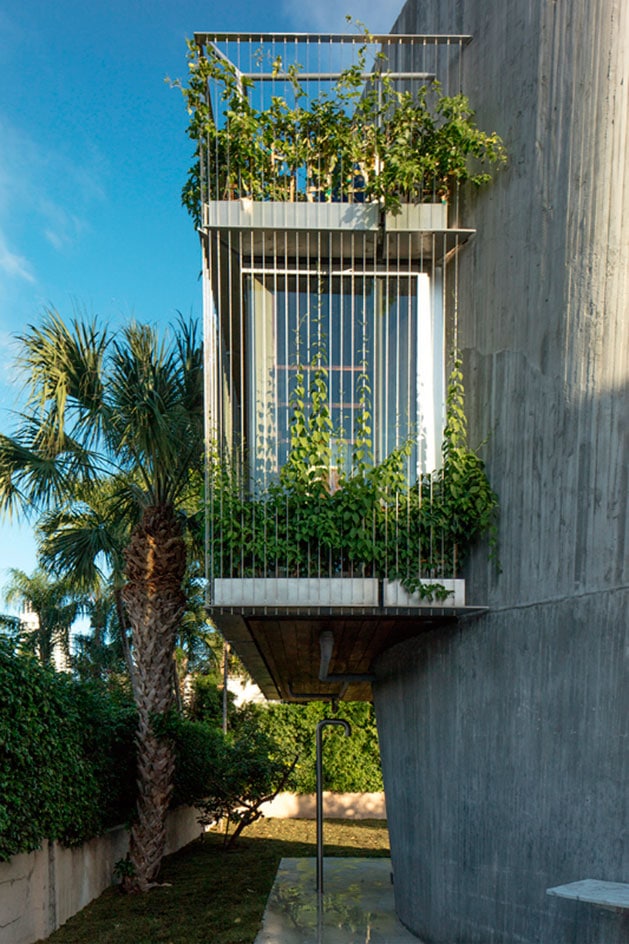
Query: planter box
{"points": [[396, 596], [295, 591], [271, 215], [327, 592], [421, 217]]}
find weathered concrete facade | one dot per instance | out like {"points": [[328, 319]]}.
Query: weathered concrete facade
{"points": [[505, 740]]}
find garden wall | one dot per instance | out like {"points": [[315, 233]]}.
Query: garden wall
{"points": [[335, 806], [40, 890]]}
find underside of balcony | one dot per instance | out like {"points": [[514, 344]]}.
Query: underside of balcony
{"points": [[300, 648]]}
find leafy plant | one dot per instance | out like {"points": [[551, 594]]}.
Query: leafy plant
{"points": [[349, 764], [247, 771], [66, 757], [123, 869], [372, 523], [365, 139]]}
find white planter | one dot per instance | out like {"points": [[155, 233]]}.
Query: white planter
{"points": [[270, 215], [396, 596], [327, 592], [295, 591], [422, 217]]}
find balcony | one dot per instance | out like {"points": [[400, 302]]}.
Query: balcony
{"points": [[333, 529]]}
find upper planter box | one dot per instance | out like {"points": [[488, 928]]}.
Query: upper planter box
{"points": [[329, 592], [270, 215]]}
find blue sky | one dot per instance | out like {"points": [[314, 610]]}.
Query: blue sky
{"points": [[93, 154]]}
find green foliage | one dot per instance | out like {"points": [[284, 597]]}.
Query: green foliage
{"points": [[206, 704], [362, 140], [349, 764], [373, 523], [247, 770], [198, 746], [56, 605], [108, 725], [66, 757]]}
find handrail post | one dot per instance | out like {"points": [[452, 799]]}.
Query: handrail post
{"points": [[319, 807]]}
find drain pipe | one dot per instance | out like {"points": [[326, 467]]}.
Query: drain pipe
{"points": [[320, 726], [326, 645]]}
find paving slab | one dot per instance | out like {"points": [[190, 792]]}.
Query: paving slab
{"points": [[356, 906]]}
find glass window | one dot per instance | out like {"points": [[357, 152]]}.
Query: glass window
{"points": [[383, 333]]}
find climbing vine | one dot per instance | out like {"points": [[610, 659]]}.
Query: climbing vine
{"points": [[369, 521], [364, 140]]}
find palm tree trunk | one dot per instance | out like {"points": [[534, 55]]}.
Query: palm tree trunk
{"points": [[155, 567], [126, 648]]}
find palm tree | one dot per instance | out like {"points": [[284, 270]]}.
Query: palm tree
{"points": [[54, 606], [124, 410], [84, 540]]}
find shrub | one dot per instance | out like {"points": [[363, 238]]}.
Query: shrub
{"points": [[247, 771], [349, 764], [197, 747], [64, 757], [206, 703]]}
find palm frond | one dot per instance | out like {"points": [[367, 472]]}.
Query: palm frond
{"points": [[64, 365]]}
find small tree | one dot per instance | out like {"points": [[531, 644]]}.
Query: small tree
{"points": [[247, 771]]}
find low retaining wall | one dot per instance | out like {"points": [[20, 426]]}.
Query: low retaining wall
{"points": [[335, 806], [40, 890]]}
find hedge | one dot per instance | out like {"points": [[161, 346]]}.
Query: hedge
{"points": [[350, 765], [66, 757]]}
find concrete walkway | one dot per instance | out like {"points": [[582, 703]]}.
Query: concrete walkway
{"points": [[357, 905]]}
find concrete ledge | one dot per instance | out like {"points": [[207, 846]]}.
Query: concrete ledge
{"points": [[40, 890], [335, 806], [612, 895]]}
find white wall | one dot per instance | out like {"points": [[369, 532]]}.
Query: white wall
{"points": [[40, 890], [335, 806]]}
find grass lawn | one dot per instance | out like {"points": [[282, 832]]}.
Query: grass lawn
{"points": [[216, 897]]}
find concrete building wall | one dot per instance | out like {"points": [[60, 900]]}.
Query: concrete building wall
{"points": [[504, 741]]}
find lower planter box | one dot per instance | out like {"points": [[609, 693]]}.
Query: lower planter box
{"points": [[271, 215], [330, 592], [295, 591], [395, 595]]}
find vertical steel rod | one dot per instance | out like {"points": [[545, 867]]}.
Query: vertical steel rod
{"points": [[320, 726]]}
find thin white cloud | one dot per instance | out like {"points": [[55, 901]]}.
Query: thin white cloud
{"points": [[63, 228], [46, 188], [14, 265], [11, 380]]}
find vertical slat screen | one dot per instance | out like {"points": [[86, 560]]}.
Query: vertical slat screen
{"points": [[292, 292]]}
